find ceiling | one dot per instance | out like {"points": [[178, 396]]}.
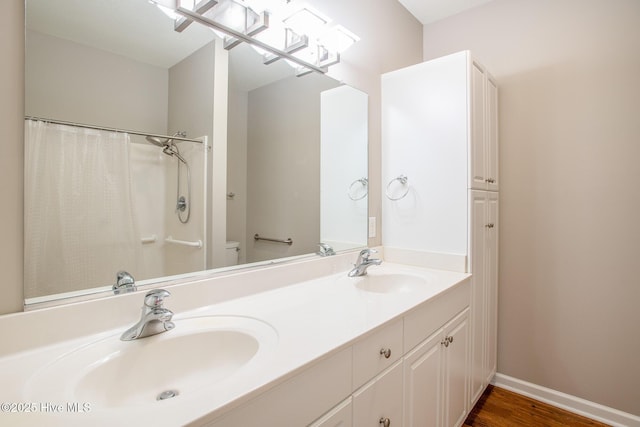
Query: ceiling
{"points": [[427, 11], [138, 30], [116, 26]]}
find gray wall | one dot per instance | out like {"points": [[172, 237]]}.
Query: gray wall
{"points": [[237, 168], [191, 109], [12, 158], [569, 82], [283, 167], [69, 81]]}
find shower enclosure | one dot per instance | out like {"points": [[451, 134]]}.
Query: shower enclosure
{"points": [[99, 200]]}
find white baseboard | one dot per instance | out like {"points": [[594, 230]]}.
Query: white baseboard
{"points": [[568, 402]]}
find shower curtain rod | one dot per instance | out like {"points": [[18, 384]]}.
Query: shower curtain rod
{"points": [[132, 132]]}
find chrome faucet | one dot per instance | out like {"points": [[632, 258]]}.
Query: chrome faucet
{"points": [[325, 250], [363, 262], [124, 283], [154, 318]]}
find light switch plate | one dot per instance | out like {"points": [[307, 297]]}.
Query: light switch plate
{"points": [[372, 226]]}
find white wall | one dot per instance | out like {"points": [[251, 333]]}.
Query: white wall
{"points": [[568, 73], [425, 138], [390, 38], [343, 139]]}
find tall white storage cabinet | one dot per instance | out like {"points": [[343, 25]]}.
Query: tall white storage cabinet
{"points": [[440, 184]]}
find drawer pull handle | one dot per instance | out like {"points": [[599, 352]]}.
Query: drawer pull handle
{"points": [[386, 352], [385, 422]]}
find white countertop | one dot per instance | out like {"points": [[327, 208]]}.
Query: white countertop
{"points": [[313, 319]]}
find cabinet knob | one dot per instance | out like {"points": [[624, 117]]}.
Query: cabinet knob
{"points": [[386, 352], [446, 341], [385, 422]]}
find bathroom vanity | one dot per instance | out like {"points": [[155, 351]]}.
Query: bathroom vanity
{"points": [[294, 344]]}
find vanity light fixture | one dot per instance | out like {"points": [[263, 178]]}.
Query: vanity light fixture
{"points": [[302, 36], [338, 39], [307, 20]]}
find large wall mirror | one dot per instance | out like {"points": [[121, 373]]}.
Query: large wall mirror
{"points": [[162, 154]]}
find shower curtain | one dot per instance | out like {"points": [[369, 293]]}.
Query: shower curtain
{"points": [[80, 227]]}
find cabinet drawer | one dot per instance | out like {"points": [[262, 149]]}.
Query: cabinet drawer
{"points": [[430, 316], [299, 400], [376, 352]]}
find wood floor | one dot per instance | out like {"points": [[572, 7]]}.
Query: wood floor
{"points": [[501, 408]]}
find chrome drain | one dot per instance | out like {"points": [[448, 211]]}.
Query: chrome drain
{"points": [[167, 394]]}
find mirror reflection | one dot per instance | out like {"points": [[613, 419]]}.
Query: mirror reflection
{"points": [[218, 161]]}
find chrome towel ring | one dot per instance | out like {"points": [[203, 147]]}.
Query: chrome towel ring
{"points": [[365, 184], [402, 179]]}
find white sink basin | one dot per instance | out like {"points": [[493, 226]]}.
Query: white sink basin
{"points": [[200, 353], [383, 280]]}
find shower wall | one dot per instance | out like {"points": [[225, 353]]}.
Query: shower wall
{"points": [[149, 177]]}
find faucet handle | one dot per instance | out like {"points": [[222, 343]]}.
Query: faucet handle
{"points": [[366, 253], [155, 298], [124, 283], [325, 250]]}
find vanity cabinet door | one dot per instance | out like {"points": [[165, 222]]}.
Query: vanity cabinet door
{"points": [[423, 399], [491, 287], [477, 142], [483, 144], [380, 400], [478, 204], [491, 148], [484, 290], [456, 369], [436, 377]]}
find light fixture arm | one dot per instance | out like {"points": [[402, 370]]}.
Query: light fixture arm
{"points": [[196, 17]]}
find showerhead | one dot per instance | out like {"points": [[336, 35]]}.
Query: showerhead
{"points": [[160, 142], [165, 142]]}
